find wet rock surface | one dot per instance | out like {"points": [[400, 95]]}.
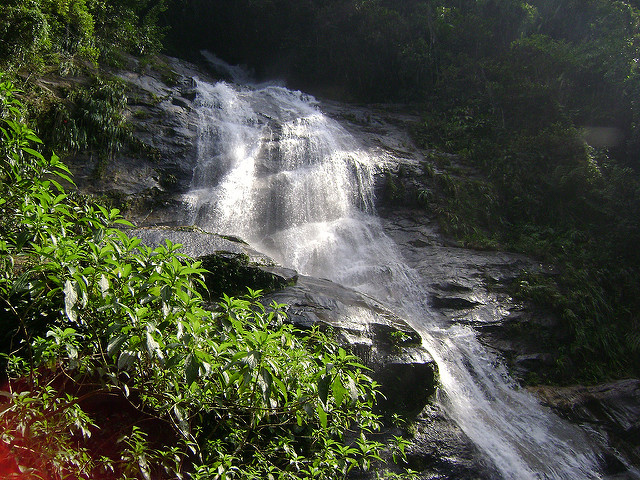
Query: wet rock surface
{"points": [[196, 242], [232, 265], [384, 342], [461, 285], [611, 409], [469, 287], [442, 449], [145, 178]]}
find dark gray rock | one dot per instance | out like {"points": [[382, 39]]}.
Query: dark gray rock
{"points": [[452, 303], [612, 409], [534, 361], [385, 343], [231, 264], [444, 451], [469, 287], [196, 242], [156, 165]]}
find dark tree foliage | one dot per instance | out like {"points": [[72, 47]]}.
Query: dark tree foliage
{"points": [[34, 33], [361, 50]]}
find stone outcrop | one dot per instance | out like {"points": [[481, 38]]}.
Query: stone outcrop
{"points": [[145, 178], [469, 287], [232, 264], [612, 409], [440, 446], [385, 343]]}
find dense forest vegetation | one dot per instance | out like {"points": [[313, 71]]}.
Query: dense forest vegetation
{"points": [[536, 100], [530, 118]]}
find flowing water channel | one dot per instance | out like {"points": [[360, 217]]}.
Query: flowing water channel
{"points": [[293, 183]]}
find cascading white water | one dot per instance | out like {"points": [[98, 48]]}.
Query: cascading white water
{"points": [[278, 173]]}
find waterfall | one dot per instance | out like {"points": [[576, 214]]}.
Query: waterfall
{"points": [[278, 173]]}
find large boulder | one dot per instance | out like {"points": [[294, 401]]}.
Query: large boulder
{"points": [[384, 342], [232, 265]]}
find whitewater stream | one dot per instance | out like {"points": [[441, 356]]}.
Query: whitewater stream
{"points": [[275, 171]]}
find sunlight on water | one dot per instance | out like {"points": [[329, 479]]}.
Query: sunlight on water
{"points": [[524, 440], [276, 172]]}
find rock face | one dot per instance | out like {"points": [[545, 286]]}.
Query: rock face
{"points": [[385, 343], [463, 286], [611, 409], [469, 287], [440, 446], [232, 264], [157, 163]]}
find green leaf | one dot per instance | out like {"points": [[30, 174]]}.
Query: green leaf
{"points": [[323, 388], [31, 136], [339, 391], [125, 270], [34, 153], [282, 388], [126, 360], [266, 380], [114, 345], [65, 177], [153, 347], [299, 418], [70, 300], [192, 369], [322, 415]]}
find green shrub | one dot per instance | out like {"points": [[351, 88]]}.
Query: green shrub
{"points": [[36, 33], [90, 118], [24, 32]]}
